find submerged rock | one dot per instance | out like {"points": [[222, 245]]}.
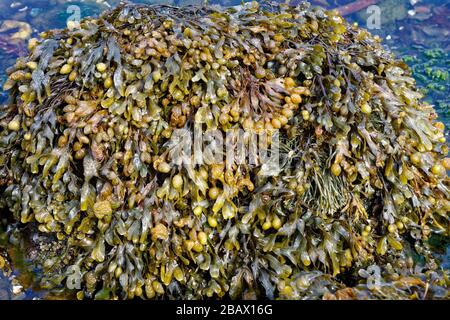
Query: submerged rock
{"points": [[95, 154]]}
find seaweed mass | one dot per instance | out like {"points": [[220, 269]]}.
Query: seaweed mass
{"points": [[89, 142]]}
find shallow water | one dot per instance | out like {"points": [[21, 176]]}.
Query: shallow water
{"points": [[416, 30]]}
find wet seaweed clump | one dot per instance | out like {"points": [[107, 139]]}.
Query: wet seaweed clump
{"points": [[90, 151]]}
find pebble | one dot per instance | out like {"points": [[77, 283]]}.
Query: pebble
{"points": [[17, 289], [15, 5]]}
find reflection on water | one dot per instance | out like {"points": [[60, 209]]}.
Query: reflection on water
{"points": [[417, 30]]}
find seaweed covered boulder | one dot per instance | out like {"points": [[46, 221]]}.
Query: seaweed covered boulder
{"points": [[92, 159]]}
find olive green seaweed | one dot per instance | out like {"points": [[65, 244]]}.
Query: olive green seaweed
{"points": [[87, 142]]}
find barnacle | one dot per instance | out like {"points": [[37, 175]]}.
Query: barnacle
{"points": [[92, 135]]}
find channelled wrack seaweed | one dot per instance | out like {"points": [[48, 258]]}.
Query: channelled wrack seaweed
{"points": [[87, 142]]}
